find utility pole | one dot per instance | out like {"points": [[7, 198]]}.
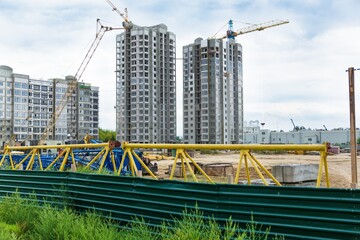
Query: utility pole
{"points": [[353, 142]]}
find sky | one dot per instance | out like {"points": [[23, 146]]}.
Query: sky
{"points": [[293, 71]]}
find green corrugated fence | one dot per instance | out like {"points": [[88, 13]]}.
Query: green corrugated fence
{"points": [[294, 212]]}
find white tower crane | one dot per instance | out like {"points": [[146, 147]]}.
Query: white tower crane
{"points": [[231, 34], [127, 24]]}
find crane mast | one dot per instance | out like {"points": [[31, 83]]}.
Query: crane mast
{"points": [[72, 85]]}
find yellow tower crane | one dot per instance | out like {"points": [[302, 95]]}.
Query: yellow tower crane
{"points": [[100, 31], [72, 85]]}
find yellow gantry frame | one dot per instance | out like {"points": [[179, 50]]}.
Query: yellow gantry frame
{"points": [[106, 148], [245, 156], [67, 151]]}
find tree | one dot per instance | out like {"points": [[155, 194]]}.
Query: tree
{"points": [[179, 139], [106, 135]]}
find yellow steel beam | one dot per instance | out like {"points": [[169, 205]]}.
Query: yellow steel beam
{"points": [[264, 169], [40, 162], [247, 170], [55, 160], [132, 164], [11, 161], [323, 158], [31, 161], [104, 159], [198, 167], [113, 161], [190, 170], [323, 164], [271, 147], [318, 182], [95, 158], [122, 161], [143, 164], [23, 160], [257, 170], [62, 166], [4, 156], [93, 145], [183, 168], [174, 164], [237, 174]]}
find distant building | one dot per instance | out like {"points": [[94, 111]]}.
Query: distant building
{"points": [[146, 85], [257, 135], [26, 105], [213, 92]]}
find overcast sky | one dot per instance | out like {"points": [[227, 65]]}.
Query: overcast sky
{"points": [[294, 71]]}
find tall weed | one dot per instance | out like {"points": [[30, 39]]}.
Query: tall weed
{"points": [[24, 218], [67, 224], [22, 211]]}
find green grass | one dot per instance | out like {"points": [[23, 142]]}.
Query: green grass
{"points": [[83, 169], [207, 151], [25, 218], [268, 152]]}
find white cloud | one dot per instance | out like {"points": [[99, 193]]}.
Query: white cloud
{"points": [[291, 71]]}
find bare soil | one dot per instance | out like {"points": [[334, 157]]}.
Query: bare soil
{"points": [[339, 165]]}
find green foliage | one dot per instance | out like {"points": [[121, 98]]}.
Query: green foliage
{"points": [[82, 169], [192, 226], [358, 141], [24, 218], [47, 222], [9, 231], [268, 152], [139, 229], [21, 211], [206, 151], [106, 135], [67, 224]]}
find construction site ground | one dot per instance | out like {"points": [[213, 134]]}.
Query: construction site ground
{"points": [[339, 165]]}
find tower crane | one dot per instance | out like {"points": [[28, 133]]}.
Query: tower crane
{"points": [[295, 128], [100, 31], [127, 24], [231, 34]]}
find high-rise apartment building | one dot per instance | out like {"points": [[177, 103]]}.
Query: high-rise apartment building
{"points": [[26, 105], [213, 92], [145, 85]]}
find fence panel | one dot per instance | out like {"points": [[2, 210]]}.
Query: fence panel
{"points": [[295, 212]]}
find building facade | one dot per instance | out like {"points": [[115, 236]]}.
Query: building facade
{"points": [[146, 85], [213, 92], [256, 135], [27, 105]]}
